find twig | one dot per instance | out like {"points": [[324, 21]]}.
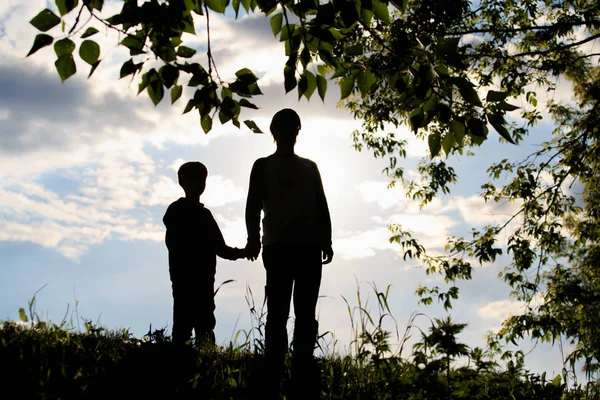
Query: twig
{"points": [[211, 60], [76, 20]]}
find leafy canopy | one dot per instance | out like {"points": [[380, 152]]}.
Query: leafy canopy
{"points": [[456, 73]]}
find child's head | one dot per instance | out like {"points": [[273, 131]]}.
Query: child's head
{"points": [[285, 125], [192, 177]]}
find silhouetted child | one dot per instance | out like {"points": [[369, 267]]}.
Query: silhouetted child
{"points": [[194, 240]]}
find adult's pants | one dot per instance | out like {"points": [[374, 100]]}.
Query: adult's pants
{"points": [[292, 270]]}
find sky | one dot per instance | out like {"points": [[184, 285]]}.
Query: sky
{"points": [[88, 167]]}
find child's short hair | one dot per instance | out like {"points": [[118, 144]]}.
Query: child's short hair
{"points": [[192, 170], [285, 120]]}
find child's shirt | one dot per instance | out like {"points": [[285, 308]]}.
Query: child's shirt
{"points": [[194, 240]]}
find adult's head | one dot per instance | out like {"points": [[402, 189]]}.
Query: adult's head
{"points": [[192, 177], [285, 126]]}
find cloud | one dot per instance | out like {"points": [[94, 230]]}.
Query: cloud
{"points": [[502, 309], [108, 201], [430, 230], [395, 198], [476, 211], [363, 244]]}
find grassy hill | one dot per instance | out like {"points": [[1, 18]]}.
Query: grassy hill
{"points": [[49, 361]]}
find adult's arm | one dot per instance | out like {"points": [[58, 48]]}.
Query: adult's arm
{"points": [[256, 192], [324, 218]]}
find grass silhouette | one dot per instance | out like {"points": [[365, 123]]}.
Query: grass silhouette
{"points": [[42, 359]]}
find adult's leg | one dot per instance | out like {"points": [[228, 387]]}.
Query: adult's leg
{"points": [[279, 293], [307, 277], [307, 274]]}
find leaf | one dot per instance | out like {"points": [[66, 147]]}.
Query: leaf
{"points": [[458, 130], [169, 75], [176, 93], [252, 125], [65, 66], [247, 104], [89, 32], [175, 41], [276, 21], [64, 47], [144, 83], [22, 314], [134, 44], [287, 31], [434, 142], [206, 123], [448, 142], [346, 86], [254, 89], [556, 380], [246, 76], [224, 116], [354, 50], [498, 123], [45, 20], [415, 119], [467, 91], [89, 51], [156, 90], [477, 128], [366, 16], [217, 6], [447, 45], [66, 6], [321, 87], [381, 11], [365, 81], [399, 4], [349, 13], [290, 81], [236, 7], [188, 24], [42, 40], [494, 96], [129, 68], [246, 4], [94, 66], [94, 4], [188, 107], [185, 52], [307, 84], [506, 106]]}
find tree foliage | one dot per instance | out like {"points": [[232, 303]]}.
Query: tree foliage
{"points": [[456, 73]]}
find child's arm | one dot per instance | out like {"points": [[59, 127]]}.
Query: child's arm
{"points": [[221, 248]]}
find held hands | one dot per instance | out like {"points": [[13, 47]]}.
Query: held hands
{"points": [[252, 250]]}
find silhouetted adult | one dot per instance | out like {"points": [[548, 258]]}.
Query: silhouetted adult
{"points": [[296, 241]]}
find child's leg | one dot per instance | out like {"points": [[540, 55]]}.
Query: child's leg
{"points": [[204, 320], [182, 313]]}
